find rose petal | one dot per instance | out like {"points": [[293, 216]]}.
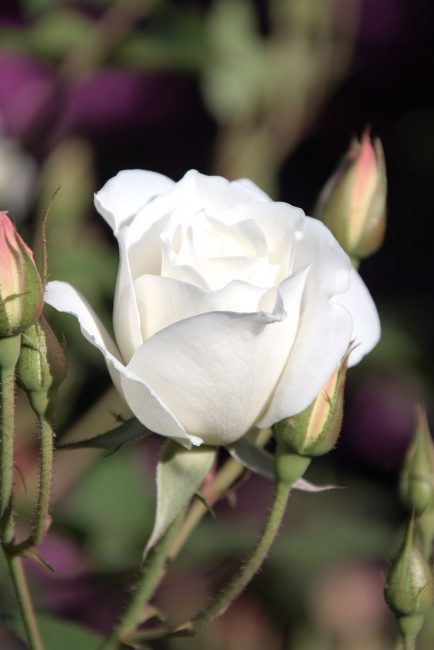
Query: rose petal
{"points": [[163, 301], [215, 193], [366, 322], [249, 186], [220, 368], [140, 398], [124, 194], [324, 330], [126, 316]]}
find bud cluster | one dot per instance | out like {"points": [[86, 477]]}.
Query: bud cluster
{"points": [[409, 589]]}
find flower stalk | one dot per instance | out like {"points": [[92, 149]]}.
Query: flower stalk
{"points": [[145, 587], [250, 567], [9, 353]]}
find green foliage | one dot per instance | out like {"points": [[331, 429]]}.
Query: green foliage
{"points": [[112, 508], [51, 36]]}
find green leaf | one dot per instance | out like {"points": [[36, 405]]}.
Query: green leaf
{"points": [[57, 633], [128, 431], [255, 458], [180, 472]]}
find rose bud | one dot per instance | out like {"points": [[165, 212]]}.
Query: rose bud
{"points": [[21, 289], [353, 201], [41, 366], [409, 588], [315, 430], [417, 477]]}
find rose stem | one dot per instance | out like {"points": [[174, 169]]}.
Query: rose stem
{"points": [[145, 587], [9, 352], [218, 488], [167, 552], [251, 566], [247, 570], [228, 474], [44, 496]]}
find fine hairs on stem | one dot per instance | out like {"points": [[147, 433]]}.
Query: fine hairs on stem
{"points": [[9, 353]]}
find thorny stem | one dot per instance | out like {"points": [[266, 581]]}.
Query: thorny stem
{"points": [[145, 587], [45, 482], [9, 352], [24, 602], [250, 567]]}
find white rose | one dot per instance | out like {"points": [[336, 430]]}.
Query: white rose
{"points": [[231, 310]]}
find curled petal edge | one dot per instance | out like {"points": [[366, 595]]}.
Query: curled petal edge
{"points": [[65, 298]]}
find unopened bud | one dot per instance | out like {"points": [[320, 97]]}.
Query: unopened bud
{"points": [[417, 476], [352, 204], [41, 366], [409, 589], [315, 431], [21, 290]]}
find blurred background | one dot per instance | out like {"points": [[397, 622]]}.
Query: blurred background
{"points": [[269, 90]]}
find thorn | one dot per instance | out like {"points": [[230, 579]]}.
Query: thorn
{"points": [[21, 475]]}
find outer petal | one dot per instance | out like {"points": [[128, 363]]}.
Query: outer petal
{"points": [[366, 323], [215, 193], [325, 327], [124, 194], [65, 298], [220, 368], [126, 317]]}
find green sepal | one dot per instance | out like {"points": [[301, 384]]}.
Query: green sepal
{"points": [[40, 241], [180, 472], [41, 367], [253, 458], [315, 431], [129, 431], [33, 295]]}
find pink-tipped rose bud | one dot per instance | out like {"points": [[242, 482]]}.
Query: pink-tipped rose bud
{"points": [[352, 204], [21, 288], [315, 431]]}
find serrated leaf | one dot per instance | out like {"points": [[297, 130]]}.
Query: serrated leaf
{"points": [[129, 431], [40, 241], [254, 458], [180, 472]]}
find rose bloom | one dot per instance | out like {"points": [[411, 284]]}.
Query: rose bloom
{"points": [[231, 310]]}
